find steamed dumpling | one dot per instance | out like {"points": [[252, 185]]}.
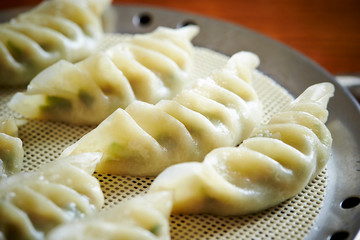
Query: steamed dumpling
{"points": [[31, 204], [54, 30], [144, 139], [143, 217], [274, 164], [147, 67], [11, 150]]}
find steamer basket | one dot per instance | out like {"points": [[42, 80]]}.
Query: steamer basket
{"points": [[328, 208]]}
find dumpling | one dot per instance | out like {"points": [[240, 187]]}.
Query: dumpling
{"points": [[274, 164], [55, 29], [147, 67], [11, 150], [31, 204], [143, 217], [144, 139]]}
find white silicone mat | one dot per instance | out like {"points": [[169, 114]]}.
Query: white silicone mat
{"points": [[43, 141]]}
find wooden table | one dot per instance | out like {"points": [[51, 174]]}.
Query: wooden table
{"points": [[327, 31]]}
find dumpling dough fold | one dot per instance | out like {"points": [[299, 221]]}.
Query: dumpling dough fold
{"points": [[274, 164], [144, 139], [54, 30], [33, 203], [147, 67]]}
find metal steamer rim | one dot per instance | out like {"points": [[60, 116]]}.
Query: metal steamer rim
{"points": [[334, 197]]}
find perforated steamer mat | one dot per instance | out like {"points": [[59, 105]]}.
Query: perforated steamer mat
{"points": [[326, 209]]}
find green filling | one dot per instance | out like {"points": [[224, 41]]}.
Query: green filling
{"points": [[155, 229], [124, 154], [118, 151], [56, 104], [86, 98], [22, 56], [15, 51]]}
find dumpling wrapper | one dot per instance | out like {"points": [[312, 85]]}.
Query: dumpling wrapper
{"points": [[147, 67], [53, 30], [31, 204], [144, 139], [274, 164]]}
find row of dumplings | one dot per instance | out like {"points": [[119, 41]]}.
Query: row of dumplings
{"points": [[204, 143], [62, 200]]}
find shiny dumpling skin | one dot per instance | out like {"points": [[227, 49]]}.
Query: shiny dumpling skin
{"points": [[33, 203], [142, 217], [144, 139], [53, 30], [147, 67], [11, 149], [274, 164]]}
